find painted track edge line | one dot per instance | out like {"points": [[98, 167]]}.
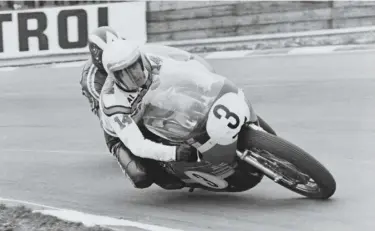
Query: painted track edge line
{"points": [[235, 54], [294, 51], [86, 218]]}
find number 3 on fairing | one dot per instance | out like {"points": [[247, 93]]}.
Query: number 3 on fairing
{"points": [[221, 110], [226, 117]]}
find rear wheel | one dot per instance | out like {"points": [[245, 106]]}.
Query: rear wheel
{"points": [[296, 169]]}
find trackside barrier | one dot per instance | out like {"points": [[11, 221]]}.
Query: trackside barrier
{"points": [[64, 30], [199, 46]]}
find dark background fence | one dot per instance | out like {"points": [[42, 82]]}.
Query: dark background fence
{"points": [[179, 20]]}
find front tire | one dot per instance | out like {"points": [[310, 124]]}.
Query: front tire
{"points": [[304, 162]]}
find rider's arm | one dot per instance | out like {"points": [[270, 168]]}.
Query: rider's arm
{"points": [[128, 132]]}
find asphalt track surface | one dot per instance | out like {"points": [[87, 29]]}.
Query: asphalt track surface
{"points": [[53, 152]]}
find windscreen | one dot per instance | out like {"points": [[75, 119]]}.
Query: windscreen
{"points": [[180, 101]]}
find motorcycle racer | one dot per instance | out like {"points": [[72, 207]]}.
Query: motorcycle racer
{"points": [[93, 77], [92, 81], [132, 74], [93, 73]]}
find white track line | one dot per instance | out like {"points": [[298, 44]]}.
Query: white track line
{"points": [[26, 203], [51, 151], [318, 50], [289, 54], [228, 54], [69, 64], [313, 50], [85, 218], [8, 68]]}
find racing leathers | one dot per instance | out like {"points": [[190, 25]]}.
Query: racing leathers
{"points": [[92, 82], [122, 113], [93, 78], [121, 116], [136, 168]]}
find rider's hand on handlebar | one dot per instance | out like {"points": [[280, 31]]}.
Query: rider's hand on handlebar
{"points": [[187, 153]]}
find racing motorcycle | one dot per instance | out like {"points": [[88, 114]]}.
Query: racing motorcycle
{"points": [[210, 113]]}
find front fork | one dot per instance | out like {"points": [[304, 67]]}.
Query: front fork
{"points": [[249, 157]]}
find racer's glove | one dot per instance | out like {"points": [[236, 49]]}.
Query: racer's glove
{"points": [[186, 153]]}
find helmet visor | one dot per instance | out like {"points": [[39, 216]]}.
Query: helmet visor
{"points": [[132, 77]]}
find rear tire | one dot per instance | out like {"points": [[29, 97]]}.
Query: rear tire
{"points": [[296, 156]]}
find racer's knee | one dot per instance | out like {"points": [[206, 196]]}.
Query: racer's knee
{"points": [[132, 167]]}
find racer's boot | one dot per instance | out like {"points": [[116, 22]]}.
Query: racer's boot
{"points": [[132, 166], [161, 176]]}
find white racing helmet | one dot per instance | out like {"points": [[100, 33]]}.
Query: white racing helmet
{"points": [[126, 64]]}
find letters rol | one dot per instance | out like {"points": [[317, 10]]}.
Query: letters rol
{"points": [[226, 117], [64, 30]]}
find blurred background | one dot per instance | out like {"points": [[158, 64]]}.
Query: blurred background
{"points": [[61, 27]]}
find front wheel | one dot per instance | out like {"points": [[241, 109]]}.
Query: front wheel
{"points": [[290, 166]]}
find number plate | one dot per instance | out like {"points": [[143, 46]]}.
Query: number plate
{"points": [[226, 117]]}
